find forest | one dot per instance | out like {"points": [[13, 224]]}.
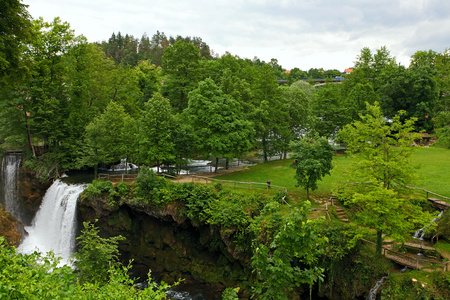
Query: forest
{"points": [[69, 104]]}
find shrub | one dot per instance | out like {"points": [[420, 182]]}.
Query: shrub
{"points": [[228, 211], [198, 202], [149, 183], [98, 187], [122, 188]]}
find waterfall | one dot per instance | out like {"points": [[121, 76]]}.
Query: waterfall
{"points": [[54, 226], [419, 234], [373, 291], [10, 188]]}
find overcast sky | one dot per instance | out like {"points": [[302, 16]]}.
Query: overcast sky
{"points": [[298, 33]]}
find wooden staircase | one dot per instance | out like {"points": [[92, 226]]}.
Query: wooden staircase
{"points": [[341, 213], [333, 201]]}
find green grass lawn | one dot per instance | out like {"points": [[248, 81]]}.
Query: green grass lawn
{"points": [[434, 173]]}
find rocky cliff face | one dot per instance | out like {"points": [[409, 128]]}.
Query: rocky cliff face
{"points": [[162, 240], [10, 228], [32, 191]]}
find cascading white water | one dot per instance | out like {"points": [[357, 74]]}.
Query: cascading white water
{"points": [[374, 290], [10, 177], [54, 226], [419, 234]]}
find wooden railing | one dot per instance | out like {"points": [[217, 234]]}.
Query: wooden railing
{"points": [[117, 177], [250, 184], [132, 177], [408, 261]]}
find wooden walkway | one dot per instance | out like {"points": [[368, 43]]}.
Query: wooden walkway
{"points": [[439, 203], [415, 263]]}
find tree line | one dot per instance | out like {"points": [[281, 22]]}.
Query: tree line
{"points": [[74, 104]]}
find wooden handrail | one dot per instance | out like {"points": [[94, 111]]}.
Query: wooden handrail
{"points": [[408, 258]]}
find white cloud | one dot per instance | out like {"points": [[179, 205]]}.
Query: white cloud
{"points": [[299, 33]]}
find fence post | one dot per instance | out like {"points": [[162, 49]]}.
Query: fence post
{"points": [[122, 177]]}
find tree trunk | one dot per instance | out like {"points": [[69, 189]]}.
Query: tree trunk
{"points": [[264, 148], [30, 142], [217, 164], [227, 163], [379, 243]]}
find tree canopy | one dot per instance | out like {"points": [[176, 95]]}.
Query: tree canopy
{"points": [[376, 187]]}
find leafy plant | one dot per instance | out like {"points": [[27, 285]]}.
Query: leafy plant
{"points": [[122, 188], [149, 184], [98, 187], [95, 254], [198, 203]]}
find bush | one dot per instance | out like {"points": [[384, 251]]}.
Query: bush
{"points": [[149, 185], [95, 254], [34, 276], [417, 285], [218, 186], [98, 187], [228, 211], [198, 202], [122, 188]]}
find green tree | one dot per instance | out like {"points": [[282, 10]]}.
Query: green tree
{"points": [[95, 255], [312, 161], [181, 66], [221, 127], [106, 136], [298, 107], [268, 115], [290, 258], [356, 99], [376, 186], [15, 25], [328, 110], [149, 80], [413, 90], [155, 135], [296, 74]]}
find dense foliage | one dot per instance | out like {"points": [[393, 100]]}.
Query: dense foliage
{"points": [[71, 104], [376, 186], [312, 161], [100, 276]]}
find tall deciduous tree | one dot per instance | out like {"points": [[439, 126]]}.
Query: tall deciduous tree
{"points": [[413, 90], [312, 161], [297, 106], [156, 143], [181, 66], [106, 136], [328, 110], [221, 126], [268, 115], [290, 259], [15, 25], [376, 186]]}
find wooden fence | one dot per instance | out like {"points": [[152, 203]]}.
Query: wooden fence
{"points": [[436, 202], [408, 261], [254, 185]]}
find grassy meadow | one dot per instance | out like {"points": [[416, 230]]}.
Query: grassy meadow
{"points": [[433, 173]]}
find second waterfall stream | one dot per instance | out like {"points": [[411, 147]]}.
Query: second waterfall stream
{"points": [[54, 226]]}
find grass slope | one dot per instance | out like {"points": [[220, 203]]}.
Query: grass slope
{"points": [[433, 173]]}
